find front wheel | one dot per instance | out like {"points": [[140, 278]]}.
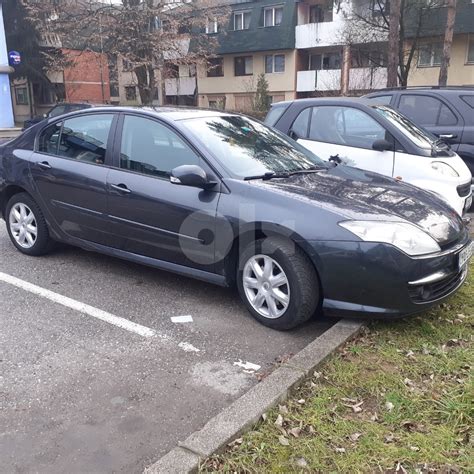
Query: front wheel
{"points": [[278, 283], [26, 225]]}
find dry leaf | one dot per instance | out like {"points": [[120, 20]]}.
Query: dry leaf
{"points": [[374, 417], [236, 441], [389, 438], [283, 441], [317, 375], [301, 401], [389, 406], [340, 450], [283, 409], [301, 462], [264, 416], [311, 429], [279, 421], [355, 436], [295, 432], [414, 448]]}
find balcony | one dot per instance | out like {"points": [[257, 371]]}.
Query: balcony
{"points": [[367, 78], [322, 80], [180, 86], [315, 35]]}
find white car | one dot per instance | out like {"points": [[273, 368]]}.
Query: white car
{"points": [[375, 137]]}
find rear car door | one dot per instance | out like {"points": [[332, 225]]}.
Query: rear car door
{"points": [[153, 216], [435, 115], [344, 133], [69, 169]]}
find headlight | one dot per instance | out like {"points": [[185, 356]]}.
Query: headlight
{"points": [[444, 169], [406, 237]]}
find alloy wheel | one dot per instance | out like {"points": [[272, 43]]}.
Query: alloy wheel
{"points": [[266, 286], [23, 225]]}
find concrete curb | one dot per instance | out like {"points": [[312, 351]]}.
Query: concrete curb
{"points": [[247, 410]]}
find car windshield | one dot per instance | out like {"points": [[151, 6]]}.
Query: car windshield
{"points": [[420, 137], [248, 148]]}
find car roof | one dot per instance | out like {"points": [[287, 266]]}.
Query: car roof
{"points": [[415, 90], [328, 101], [170, 113]]}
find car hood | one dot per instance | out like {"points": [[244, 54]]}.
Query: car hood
{"points": [[359, 194]]}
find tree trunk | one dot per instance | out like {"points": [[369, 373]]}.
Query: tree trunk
{"points": [[448, 41], [393, 43], [146, 83]]}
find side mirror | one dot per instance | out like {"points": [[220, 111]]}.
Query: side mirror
{"points": [[292, 134], [191, 175], [382, 145]]}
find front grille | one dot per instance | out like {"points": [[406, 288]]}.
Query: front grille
{"points": [[437, 290], [464, 189]]}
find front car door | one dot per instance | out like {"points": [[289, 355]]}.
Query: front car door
{"points": [[347, 134], [69, 169], [153, 216]]}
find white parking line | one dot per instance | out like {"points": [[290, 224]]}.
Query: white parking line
{"points": [[81, 307]]}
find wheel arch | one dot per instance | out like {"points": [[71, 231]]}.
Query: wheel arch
{"points": [[259, 230], [7, 194]]}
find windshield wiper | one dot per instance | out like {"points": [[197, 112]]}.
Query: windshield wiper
{"points": [[267, 175]]}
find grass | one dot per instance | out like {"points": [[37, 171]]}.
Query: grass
{"points": [[415, 381]]}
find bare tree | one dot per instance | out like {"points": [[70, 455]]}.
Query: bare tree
{"points": [[448, 41], [146, 34], [370, 23], [393, 43]]}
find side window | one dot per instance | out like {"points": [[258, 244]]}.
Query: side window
{"points": [[345, 126], [49, 139], [300, 125], [426, 111], [58, 110], [85, 138], [152, 148]]}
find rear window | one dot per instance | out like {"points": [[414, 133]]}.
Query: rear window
{"points": [[274, 114], [469, 99]]}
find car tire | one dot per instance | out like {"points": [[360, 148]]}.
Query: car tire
{"points": [[264, 267], [27, 226]]}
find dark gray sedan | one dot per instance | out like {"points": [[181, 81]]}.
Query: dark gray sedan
{"points": [[223, 198]]}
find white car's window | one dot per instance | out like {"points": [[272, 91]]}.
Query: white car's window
{"points": [[420, 137], [344, 126]]}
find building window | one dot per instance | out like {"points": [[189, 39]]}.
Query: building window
{"points": [[324, 61], [430, 55], [243, 66], [274, 63], [212, 27], [130, 93], [21, 96], [379, 8], [470, 49], [321, 13], [216, 102], [114, 89], [272, 16], [241, 20], [215, 67]]}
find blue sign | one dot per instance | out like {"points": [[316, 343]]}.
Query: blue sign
{"points": [[14, 58]]}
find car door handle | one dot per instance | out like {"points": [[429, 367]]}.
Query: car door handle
{"points": [[121, 188], [44, 165], [447, 136]]}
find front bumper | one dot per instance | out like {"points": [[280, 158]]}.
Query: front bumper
{"points": [[374, 280]]}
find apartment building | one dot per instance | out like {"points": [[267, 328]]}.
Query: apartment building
{"points": [[258, 38], [326, 65], [425, 71]]}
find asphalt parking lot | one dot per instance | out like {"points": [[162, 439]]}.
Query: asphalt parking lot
{"points": [[82, 390]]}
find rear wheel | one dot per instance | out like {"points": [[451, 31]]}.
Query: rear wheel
{"points": [[278, 283], [26, 225]]}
